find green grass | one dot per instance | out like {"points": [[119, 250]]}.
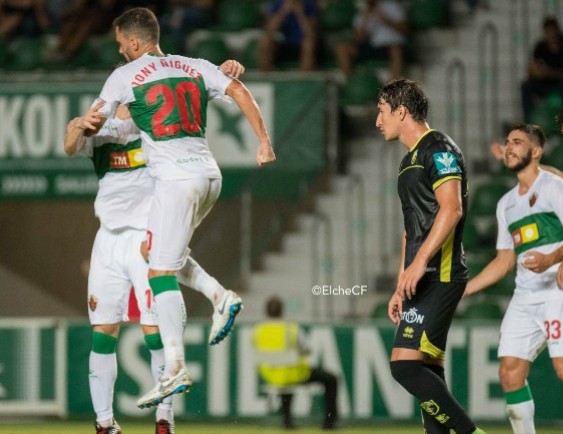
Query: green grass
{"points": [[233, 427]]}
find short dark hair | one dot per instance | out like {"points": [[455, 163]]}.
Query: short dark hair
{"points": [[534, 132], [274, 307], [140, 22], [407, 93]]}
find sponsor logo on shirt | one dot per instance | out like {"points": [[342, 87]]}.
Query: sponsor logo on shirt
{"points": [[525, 234], [126, 159], [446, 163]]}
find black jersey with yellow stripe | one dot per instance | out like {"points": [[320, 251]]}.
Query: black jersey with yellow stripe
{"points": [[433, 160]]}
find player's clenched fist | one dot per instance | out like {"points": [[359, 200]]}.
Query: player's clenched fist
{"points": [[265, 154]]}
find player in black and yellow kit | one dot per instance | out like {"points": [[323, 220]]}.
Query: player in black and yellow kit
{"points": [[432, 276]]}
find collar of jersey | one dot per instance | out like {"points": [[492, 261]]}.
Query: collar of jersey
{"points": [[419, 139]]}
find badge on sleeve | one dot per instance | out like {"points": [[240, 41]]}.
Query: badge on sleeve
{"points": [[446, 163]]}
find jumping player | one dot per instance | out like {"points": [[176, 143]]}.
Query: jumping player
{"points": [[167, 96]]}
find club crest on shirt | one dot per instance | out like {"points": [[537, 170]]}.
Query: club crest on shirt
{"points": [[533, 199], [93, 303], [446, 163]]}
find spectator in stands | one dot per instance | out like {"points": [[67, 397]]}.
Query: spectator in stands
{"points": [[29, 16], [281, 353], [545, 70], [57, 10], [380, 29], [185, 16], [290, 33], [82, 19]]}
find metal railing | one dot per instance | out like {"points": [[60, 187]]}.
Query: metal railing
{"points": [[356, 228], [322, 263], [488, 84], [456, 102]]}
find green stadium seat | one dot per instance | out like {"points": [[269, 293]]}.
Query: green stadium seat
{"points": [[555, 157], [380, 310], [425, 14], [25, 54], [236, 15], [486, 309], [486, 197], [543, 113], [470, 236], [106, 55], [250, 54], [362, 88], [505, 287], [338, 15], [3, 54], [168, 45], [213, 49]]}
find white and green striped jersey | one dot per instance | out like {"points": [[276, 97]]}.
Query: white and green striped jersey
{"points": [[125, 186], [167, 97], [533, 222]]}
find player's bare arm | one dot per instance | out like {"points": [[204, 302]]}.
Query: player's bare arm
{"points": [[250, 109], [494, 271], [448, 196], [539, 262], [560, 277], [74, 139], [395, 306]]}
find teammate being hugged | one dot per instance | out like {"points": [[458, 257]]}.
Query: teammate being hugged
{"points": [[530, 236], [167, 96], [432, 275]]}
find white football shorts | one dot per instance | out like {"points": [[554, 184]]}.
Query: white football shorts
{"points": [[117, 265], [178, 207], [527, 328]]}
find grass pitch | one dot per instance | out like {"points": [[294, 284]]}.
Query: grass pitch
{"points": [[233, 427]]}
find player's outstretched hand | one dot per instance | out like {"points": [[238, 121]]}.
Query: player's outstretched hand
{"points": [[265, 154], [232, 68], [395, 308]]}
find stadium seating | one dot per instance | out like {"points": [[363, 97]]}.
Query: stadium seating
{"points": [[25, 54], [249, 56], [338, 15], [380, 310], [106, 54], [544, 112], [362, 88], [486, 197], [3, 54], [555, 157], [425, 14], [212, 48], [485, 309], [236, 15]]}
